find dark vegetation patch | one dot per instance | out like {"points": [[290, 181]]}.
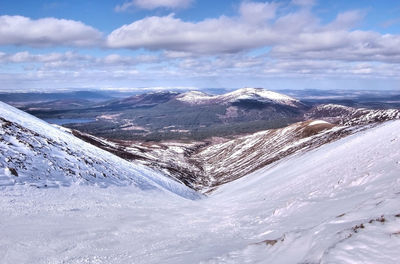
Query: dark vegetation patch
{"points": [[357, 227], [379, 219], [250, 104], [13, 171]]}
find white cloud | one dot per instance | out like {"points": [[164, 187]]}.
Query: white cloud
{"points": [[62, 70], [255, 26], [257, 12], [221, 35], [342, 45], [72, 60], [19, 30], [297, 35], [26, 57], [153, 4]]}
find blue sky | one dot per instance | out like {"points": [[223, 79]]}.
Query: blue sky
{"points": [[292, 44]]}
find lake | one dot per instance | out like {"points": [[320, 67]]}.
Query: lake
{"points": [[63, 121]]}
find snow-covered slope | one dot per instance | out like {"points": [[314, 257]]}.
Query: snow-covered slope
{"points": [[350, 116], [35, 153], [257, 94], [233, 159], [335, 204]]}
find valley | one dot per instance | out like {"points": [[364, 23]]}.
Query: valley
{"points": [[204, 164], [199, 132], [301, 193], [308, 207]]}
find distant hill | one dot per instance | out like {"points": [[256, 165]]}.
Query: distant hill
{"points": [[191, 115]]}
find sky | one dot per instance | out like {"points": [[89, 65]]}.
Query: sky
{"points": [[195, 44]]}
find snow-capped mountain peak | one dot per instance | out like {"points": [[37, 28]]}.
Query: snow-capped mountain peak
{"points": [[257, 94], [195, 97]]}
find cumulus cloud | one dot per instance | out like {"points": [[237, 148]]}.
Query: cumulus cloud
{"points": [[255, 26], [153, 4], [342, 45], [297, 35], [256, 12], [19, 30], [221, 35]]}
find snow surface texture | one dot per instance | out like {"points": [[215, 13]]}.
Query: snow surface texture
{"points": [[259, 94], [34, 153], [335, 204]]}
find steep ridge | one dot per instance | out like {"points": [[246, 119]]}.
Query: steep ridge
{"points": [[37, 154], [349, 116], [170, 158], [231, 160]]}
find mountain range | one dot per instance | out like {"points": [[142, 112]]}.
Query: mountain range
{"points": [[171, 115]]}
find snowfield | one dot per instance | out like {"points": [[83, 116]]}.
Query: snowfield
{"points": [[336, 204], [339, 203]]}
